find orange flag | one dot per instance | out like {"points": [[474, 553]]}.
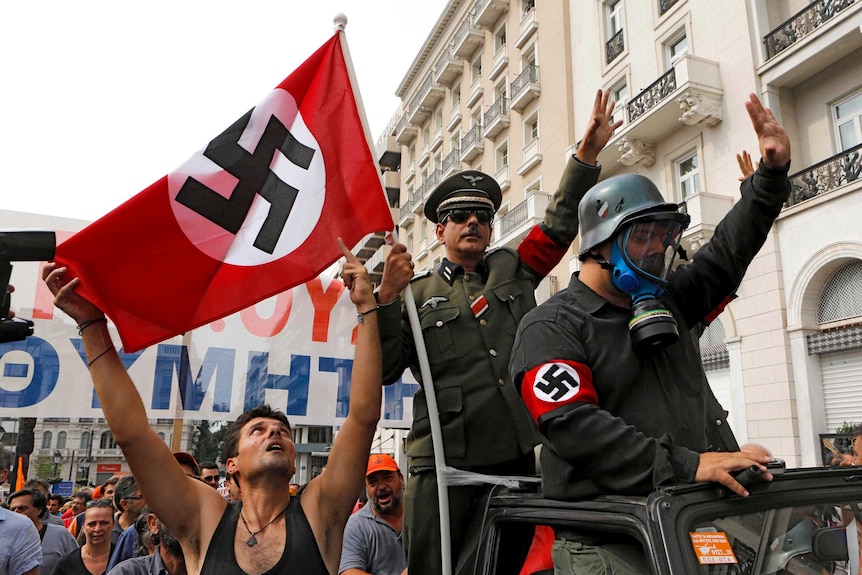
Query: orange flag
{"points": [[19, 482]]}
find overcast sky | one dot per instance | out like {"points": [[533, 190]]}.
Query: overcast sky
{"points": [[100, 99]]}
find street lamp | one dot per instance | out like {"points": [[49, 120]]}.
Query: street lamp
{"points": [[58, 459], [84, 467]]}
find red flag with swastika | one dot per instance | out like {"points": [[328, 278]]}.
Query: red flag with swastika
{"points": [[254, 213]]}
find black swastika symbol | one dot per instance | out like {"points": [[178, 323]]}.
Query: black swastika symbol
{"points": [[255, 177], [557, 384]]}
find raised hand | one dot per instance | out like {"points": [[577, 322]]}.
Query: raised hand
{"points": [[745, 165], [599, 129], [355, 277], [774, 143], [397, 273], [65, 295]]}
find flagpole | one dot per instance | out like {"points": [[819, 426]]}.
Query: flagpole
{"points": [[340, 22]]}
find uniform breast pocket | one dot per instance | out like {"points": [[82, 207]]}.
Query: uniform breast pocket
{"points": [[516, 302], [438, 329]]}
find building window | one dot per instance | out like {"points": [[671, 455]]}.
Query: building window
{"points": [[620, 95], [687, 175], [85, 440], [319, 434], [456, 97], [46, 440], [426, 134], [107, 441], [848, 121], [476, 69], [500, 38], [841, 297], [502, 156], [677, 48], [531, 128], [614, 17], [61, 440]]}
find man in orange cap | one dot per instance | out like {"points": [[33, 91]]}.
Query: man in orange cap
{"points": [[372, 537]]}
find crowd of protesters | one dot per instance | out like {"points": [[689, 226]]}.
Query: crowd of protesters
{"points": [[169, 515]]}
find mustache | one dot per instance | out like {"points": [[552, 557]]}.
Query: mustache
{"points": [[473, 231]]}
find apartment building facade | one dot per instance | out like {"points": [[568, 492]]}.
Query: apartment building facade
{"points": [[506, 86]]}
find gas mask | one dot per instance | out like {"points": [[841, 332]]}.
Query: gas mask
{"points": [[642, 254]]}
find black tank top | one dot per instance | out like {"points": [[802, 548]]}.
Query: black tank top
{"points": [[301, 554]]}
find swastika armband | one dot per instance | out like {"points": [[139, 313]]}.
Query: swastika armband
{"points": [[557, 383]]}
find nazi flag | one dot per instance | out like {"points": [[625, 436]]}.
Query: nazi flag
{"points": [[255, 212]]}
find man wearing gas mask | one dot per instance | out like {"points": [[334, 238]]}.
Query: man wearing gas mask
{"points": [[608, 368]]}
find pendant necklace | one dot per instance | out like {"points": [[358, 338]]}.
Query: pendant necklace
{"points": [[252, 540]]}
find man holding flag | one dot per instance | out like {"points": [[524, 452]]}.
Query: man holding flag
{"points": [[469, 308], [268, 531]]}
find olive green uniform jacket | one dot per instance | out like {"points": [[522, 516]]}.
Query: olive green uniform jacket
{"points": [[483, 419]]}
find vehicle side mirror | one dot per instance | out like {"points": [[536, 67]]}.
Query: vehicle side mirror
{"points": [[830, 544]]}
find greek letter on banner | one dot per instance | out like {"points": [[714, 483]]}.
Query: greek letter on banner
{"points": [[557, 383]]}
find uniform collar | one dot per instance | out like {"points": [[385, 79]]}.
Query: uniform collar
{"points": [[589, 301], [450, 271]]}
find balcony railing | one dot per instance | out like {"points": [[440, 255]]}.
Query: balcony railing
{"points": [[801, 24], [471, 143], [651, 96], [614, 47], [530, 75], [451, 160], [496, 117], [830, 174], [447, 67], [665, 5], [467, 38], [514, 218], [486, 12]]}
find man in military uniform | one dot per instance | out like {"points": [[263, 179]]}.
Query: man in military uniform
{"points": [[609, 369], [469, 308]]}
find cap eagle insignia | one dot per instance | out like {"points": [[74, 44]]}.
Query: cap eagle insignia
{"points": [[472, 179]]}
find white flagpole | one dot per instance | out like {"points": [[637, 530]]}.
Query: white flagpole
{"points": [[340, 21]]}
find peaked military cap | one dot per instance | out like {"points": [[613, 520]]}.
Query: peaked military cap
{"points": [[467, 189]]}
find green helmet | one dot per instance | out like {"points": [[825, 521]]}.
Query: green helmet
{"points": [[613, 203]]}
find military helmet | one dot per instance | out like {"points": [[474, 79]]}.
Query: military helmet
{"points": [[613, 203]]}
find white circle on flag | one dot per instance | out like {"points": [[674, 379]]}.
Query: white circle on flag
{"points": [[556, 382], [239, 249]]}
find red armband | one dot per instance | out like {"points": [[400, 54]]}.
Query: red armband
{"points": [[540, 252], [555, 384]]}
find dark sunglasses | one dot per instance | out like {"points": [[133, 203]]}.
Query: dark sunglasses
{"points": [[133, 497], [460, 216], [211, 478]]}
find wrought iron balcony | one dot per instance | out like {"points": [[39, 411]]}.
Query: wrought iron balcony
{"points": [[651, 96], [833, 173], [614, 47], [487, 12], [428, 184], [496, 117], [467, 39], [406, 210], [448, 66], [514, 226], [472, 144], [665, 5], [525, 87], [451, 161], [404, 131], [690, 93], [426, 98], [802, 24]]}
